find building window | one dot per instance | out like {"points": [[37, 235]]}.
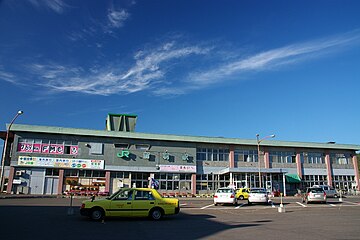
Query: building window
{"points": [[246, 155], [52, 172], [282, 157], [340, 158], [212, 154], [312, 158], [310, 180]]}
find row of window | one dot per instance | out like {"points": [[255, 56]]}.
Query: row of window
{"points": [[212, 154]]}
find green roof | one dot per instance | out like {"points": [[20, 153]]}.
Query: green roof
{"points": [[179, 138]]}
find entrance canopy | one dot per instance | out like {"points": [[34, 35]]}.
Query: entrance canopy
{"points": [[292, 178]]}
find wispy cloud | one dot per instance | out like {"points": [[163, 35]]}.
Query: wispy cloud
{"points": [[149, 69], [57, 6], [7, 77], [174, 69], [271, 59], [117, 17]]}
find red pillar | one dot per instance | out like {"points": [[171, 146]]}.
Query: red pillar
{"points": [[266, 160], [356, 169], [61, 181], [193, 184], [107, 181], [328, 169], [231, 157], [10, 181], [298, 165]]}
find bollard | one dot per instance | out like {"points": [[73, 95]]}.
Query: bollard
{"points": [[70, 209], [281, 209], [340, 198]]}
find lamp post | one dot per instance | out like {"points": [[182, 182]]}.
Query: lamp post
{"points": [[5, 150], [258, 150]]}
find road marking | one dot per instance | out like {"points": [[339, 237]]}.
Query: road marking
{"points": [[350, 202], [301, 204], [183, 204], [240, 206], [333, 205], [207, 206]]}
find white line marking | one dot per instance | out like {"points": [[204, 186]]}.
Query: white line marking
{"points": [[240, 206], [301, 204], [207, 206], [350, 202], [333, 205]]}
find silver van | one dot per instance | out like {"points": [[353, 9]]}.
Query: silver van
{"points": [[330, 191]]}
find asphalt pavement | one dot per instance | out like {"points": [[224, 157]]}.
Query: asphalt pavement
{"points": [[49, 218]]}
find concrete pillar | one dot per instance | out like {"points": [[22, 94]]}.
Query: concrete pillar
{"points": [[266, 160], [193, 184], [61, 181], [356, 169], [299, 170], [107, 181], [231, 157], [328, 169], [10, 181]]}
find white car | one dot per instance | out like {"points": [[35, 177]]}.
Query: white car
{"points": [[258, 195], [225, 195]]}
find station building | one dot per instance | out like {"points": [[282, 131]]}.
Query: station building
{"points": [[57, 160]]}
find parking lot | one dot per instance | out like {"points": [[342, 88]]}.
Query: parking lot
{"points": [[48, 218]]}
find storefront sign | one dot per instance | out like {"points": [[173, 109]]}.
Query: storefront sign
{"points": [[60, 162], [46, 148], [178, 168], [185, 157], [123, 154]]}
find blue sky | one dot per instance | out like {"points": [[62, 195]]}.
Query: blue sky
{"points": [[201, 68]]}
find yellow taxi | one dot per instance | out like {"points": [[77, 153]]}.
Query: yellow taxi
{"points": [[131, 202], [242, 193]]}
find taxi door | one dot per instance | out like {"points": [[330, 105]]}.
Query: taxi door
{"points": [[121, 205], [142, 203]]}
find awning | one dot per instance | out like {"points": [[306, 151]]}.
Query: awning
{"points": [[292, 178]]}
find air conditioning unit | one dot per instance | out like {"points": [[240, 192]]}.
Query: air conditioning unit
{"points": [[18, 173]]}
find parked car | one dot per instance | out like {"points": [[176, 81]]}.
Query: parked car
{"points": [[225, 195], [314, 194], [242, 193], [131, 202], [330, 191], [258, 195]]}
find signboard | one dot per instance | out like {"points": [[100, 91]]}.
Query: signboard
{"points": [[60, 162], [47, 148], [178, 168]]}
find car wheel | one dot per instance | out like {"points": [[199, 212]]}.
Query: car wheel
{"points": [[156, 214], [215, 204], [97, 214], [249, 203], [236, 202], [241, 197]]}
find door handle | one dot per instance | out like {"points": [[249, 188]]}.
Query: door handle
{"points": [[128, 203], [151, 202]]}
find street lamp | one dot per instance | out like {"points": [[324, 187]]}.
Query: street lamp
{"points": [[5, 150], [258, 150]]}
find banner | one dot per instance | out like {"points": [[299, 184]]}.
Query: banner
{"points": [[47, 148], [178, 168], [60, 162]]}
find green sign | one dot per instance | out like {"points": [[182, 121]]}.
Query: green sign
{"points": [[123, 154]]}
